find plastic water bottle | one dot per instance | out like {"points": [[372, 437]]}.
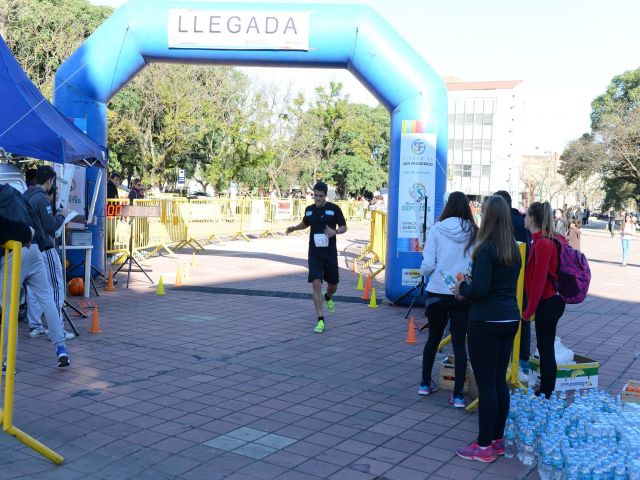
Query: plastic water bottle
{"points": [[621, 472], [545, 467], [448, 280], [528, 454], [509, 440], [557, 467]]}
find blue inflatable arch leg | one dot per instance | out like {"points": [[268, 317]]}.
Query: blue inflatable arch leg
{"points": [[353, 37]]}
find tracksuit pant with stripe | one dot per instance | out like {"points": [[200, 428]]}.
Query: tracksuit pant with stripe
{"points": [[53, 266], [34, 274]]}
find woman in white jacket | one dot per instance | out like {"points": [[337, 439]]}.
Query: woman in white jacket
{"points": [[446, 254]]}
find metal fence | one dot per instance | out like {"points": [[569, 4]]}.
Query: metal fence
{"points": [[196, 222]]}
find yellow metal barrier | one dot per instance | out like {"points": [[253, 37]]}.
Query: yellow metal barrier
{"points": [[12, 260], [377, 243], [194, 223]]}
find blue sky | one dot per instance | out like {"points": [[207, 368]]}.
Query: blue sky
{"points": [[565, 51]]}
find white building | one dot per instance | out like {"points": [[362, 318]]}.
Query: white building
{"points": [[484, 148]]}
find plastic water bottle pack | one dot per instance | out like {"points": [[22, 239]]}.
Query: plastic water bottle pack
{"points": [[591, 438]]}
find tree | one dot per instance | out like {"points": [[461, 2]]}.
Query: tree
{"points": [[612, 148], [43, 33], [354, 175]]}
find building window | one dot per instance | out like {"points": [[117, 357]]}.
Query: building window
{"points": [[486, 144], [468, 118], [487, 119], [467, 144], [457, 170], [459, 118], [486, 170], [466, 171]]}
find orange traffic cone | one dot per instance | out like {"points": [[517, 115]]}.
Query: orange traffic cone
{"points": [[366, 294], [411, 331], [179, 276], [373, 303], [95, 322], [110, 287], [354, 267], [368, 284]]}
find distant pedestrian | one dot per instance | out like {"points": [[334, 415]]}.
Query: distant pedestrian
{"points": [[561, 224], [137, 191], [585, 216], [627, 232], [612, 221], [112, 186], [573, 234]]}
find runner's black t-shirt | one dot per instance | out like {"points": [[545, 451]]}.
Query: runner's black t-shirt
{"points": [[318, 218]]}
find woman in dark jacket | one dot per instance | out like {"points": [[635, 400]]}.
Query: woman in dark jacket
{"points": [[493, 323]]}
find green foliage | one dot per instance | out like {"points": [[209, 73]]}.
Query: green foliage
{"points": [[43, 33], [214, 122], [612, 149], [354, 175]]}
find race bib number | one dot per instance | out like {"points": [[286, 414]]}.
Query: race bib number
{"points": [[321, 240]]}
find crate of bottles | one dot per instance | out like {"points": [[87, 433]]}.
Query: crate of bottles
{"points": [[448, 377], [581, 375], [631, 392], [592, 436]]}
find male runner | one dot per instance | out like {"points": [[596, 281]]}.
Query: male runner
{"points": [[326, 220]]}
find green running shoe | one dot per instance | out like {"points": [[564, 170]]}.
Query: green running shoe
{"points": [[319, 327], [330, 305]]}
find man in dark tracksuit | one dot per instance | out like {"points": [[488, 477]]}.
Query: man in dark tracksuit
{"points": [[523, 235], [36, 196], [33, 272]]}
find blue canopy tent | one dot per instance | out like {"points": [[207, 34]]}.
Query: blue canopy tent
{"points": [[30, 126]]}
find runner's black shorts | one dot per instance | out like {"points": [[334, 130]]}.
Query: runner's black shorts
{"points": [[323, 267]]}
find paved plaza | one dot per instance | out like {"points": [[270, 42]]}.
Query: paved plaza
{"points": [[224, 377]]}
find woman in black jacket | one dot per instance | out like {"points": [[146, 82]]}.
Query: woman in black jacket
{"points": [[493, 324]]}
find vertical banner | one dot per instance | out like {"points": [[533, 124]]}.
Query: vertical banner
{"points": [[417, 176], [71, 182]]}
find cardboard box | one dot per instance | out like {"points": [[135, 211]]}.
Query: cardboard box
{"points": [[448, 377], [631, 397], [579, 376]]}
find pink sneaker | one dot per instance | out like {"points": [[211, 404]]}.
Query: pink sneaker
{"points": [[476, 452], [498, 446]]}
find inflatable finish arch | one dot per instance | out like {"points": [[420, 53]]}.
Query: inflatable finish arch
{"points": [[262, 34]]}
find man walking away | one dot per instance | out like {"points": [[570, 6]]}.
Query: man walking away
{"points": [[33, 273], [612, 221], [326, 220], [36, 196]]}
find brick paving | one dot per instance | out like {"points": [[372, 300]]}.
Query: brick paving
{"points": [[229, 381]]}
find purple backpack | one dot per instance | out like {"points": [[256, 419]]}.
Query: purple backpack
{"points": [[574, 274]]}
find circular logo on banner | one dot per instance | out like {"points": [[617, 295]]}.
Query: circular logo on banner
{"points": [[418, 192], [418, 146]]}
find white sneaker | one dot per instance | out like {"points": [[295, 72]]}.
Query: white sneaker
{"points": [[37, 331], [68, 335]]}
